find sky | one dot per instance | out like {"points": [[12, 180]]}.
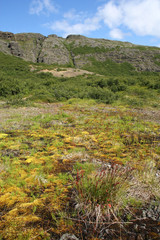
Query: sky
{"points": [[136, 21]]}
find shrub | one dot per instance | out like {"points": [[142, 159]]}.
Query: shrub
{"points": [[102, 94]]}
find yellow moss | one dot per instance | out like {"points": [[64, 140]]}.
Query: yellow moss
{"points": [[68, 140], [85, 133], [12, 200], [14, 146], [52, 148], [94, 139], [36, 160], [49, 190], [66, 161], [31, 159], [30, 180], [3, 135], [23, 174], [12, 213], [30, 218], [4, 198], [36, 202]]}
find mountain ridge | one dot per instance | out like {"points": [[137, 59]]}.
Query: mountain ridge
{"points": [[78, 51]]}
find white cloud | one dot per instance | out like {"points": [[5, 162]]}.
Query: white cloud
{"points": [[41, 7], [116, 34], [83, 27], [141, 17], [110, 14], [72, 15]]}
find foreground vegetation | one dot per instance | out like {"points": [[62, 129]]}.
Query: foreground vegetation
{"points": [[79, 168]]}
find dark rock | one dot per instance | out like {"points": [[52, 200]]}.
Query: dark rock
{"points": [[7, 36]]}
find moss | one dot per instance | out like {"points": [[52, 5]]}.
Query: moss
{"points": [[76, 145]]}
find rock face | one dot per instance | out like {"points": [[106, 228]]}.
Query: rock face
{"points": [[24, 45], [30, 45], [54, 51], [78, 50]]}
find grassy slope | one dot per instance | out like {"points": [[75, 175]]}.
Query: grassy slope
{"points": [[118, 82]]}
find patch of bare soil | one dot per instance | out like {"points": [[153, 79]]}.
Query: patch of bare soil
{"points": [[67, 72]]}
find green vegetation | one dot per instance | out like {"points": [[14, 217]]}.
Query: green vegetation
{"points": [[109, 67], [87, 49], [117, 83]]}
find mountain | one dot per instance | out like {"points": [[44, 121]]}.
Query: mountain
{"points": [[79, 51]]}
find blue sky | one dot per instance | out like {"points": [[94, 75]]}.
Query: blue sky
{"points": [[136, 21]]}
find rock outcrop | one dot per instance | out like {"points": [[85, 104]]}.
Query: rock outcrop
{"points": [[54, 51], [78, 50]]}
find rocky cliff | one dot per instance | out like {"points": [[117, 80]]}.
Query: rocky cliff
{"points": [[78, 50]]}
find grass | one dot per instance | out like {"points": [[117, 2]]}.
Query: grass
{"points": [[102, 192], [76, 171]]}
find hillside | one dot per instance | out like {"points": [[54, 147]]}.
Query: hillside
{"points": [[22, 83], [79, 51]]}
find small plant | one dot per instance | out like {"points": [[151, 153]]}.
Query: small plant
{"points": [[100, 194]]}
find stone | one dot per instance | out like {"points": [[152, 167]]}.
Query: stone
{"points": [[68, 236]]}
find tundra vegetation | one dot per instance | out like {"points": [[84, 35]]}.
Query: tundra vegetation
{"points": [[79, 155]]}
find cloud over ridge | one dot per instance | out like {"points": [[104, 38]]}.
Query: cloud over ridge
{"points": [[120, 18]]}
